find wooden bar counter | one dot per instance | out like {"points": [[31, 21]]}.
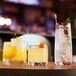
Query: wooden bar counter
{"points": [[22, 69]]}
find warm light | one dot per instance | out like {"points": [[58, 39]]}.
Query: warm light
{"points": [[5, 21], [2, 21], [8, 21]]}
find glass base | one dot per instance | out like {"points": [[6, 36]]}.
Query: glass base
{"points": [[6, 62], [9, 62], [37, 63], [63, 63]]}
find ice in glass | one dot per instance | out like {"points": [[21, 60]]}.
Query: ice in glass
{"points": [[63, 44]]}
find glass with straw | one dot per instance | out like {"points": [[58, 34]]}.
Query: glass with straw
{"points": [[63, 44]]}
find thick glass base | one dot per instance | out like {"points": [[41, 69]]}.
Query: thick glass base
{"points": [[6, 62], [63, 63], [9, 62], [37, 63]]}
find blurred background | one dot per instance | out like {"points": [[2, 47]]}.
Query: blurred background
{"points": [[28, 16], [35, 16]]}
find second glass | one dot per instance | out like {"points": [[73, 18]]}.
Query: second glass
{"points": [[37, 55]]}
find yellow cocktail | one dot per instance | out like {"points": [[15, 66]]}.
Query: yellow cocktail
{"points": [[38, 55], [9, 51], [12, 52], [21, 54]]}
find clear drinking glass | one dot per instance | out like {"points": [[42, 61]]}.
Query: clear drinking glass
{"points": [[37, 55], [9, 52], [63, 44], [21, 51]]}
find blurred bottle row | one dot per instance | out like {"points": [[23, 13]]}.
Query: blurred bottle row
{"points": [[26, 18], [39, 24]]}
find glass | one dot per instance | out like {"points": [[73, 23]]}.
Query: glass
{"points": [[37, 55], [21, 54], [9, 52], [63, 44], [14, 51]]}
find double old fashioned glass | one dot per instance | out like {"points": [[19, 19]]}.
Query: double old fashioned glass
{"points": [[37, 55]]}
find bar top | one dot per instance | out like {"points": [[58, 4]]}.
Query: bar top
{"points": [[22, 69], [50, 66]]}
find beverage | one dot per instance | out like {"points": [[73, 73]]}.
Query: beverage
{"points": [[63, 45], [14, 51], [21, 54], [38, 55], [9, 51]]}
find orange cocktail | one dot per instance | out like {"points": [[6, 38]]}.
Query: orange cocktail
{"points": [[9, 51], [12, 52]]}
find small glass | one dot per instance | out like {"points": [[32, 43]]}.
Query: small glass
{"points": [[63, 44], [21, 51], [9, 52], [37, 55]]}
